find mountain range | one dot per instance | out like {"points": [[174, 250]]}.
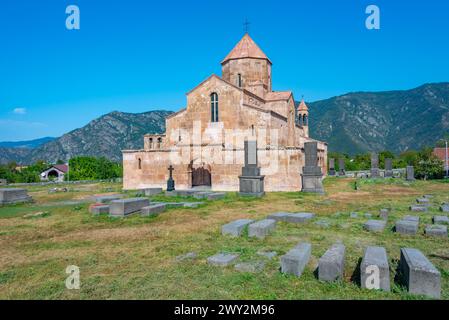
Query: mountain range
{"points": [[351, 123]]}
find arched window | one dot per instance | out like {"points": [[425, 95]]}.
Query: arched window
{"points": [[305, 121], [140, 164], [151, 143], [239, 80], [214, 107], [159, 142]]}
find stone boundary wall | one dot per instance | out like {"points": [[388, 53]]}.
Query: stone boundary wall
{"points": [[55, 183]]}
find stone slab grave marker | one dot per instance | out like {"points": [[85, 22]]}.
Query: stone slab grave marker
{"points": [[375, 225], [279, 216], [99, 209], [294, 261], [444, 207], [152, 191], [332, 167], [153, 209], [419, 274], [407, 227], [410, 173], [222, 259], [418, 208], [411, 218], [332, 264], [341, 165], [14, 195], [251, 182], [235, 228], [312, 177], [377, 257], [108, 198], [216, 196], [201, 195], [124, 207], [262, 228], [388, 168], [250, 267], [423, 201], [300, 217], [436, 230], [441, 220], [374, 165]]}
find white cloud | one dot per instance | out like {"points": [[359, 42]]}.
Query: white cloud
{"points": [[20, 111]]}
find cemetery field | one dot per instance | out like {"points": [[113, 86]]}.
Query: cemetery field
{"points": [[135, 257]]}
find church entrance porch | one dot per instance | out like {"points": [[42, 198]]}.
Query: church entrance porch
{"points": [[201, 176]]}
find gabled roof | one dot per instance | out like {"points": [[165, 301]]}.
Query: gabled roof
{"points": [[217, 77], [302, 106], [278, 95], [246, 48]]}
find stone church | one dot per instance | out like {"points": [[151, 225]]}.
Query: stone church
{"points": [[204, 141]]}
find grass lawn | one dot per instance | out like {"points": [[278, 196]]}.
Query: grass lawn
{"points": [[134, 258]]}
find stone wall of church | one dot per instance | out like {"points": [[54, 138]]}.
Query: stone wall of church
{"points": [[281, 167]]}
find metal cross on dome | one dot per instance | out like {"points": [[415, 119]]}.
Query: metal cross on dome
{"points": [[246, 25]]}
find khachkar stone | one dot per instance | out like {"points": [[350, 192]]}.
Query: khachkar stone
{"points": [[13, 195], [312, 177], [374, 165], [332, 167], [251, 182], [170, 181], [388, 168], [341, 165], [410, 173]]}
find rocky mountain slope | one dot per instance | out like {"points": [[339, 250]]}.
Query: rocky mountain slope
{"points": [[375, 121]]}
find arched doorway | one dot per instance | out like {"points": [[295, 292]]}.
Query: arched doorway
{"points": [[53, 175], [201, 176]]}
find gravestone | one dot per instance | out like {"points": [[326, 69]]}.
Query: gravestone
{"points": [[436, 230], [388, 167], [423, 201], [341, 165], [267, 254], [332, 167], [375, 225], [419, 274], [222, 259], [332, 264], [108, 198], [375, 165], [444, 207], [3, 182], [300, 217], [375, 257], [251, 182], [312, 177], [418, 208], [124, 207], [262, 228], [216, 196], [279, 216], [235, 228], [14, 195], [294, 261], [407, 227], [250, 267], [152, 191], [410, 173], [411, 218], [441, 220], [99, 209], [170, 181], [153, 210]]}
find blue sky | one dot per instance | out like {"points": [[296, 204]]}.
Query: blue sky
{"points": [[141, 55]]}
